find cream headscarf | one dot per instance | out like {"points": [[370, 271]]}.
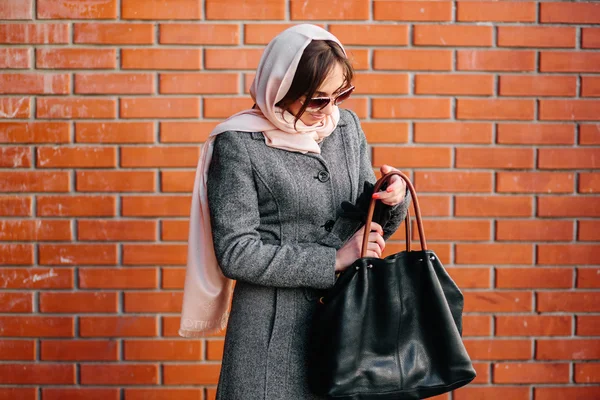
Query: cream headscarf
{"points": [[207, 291]]}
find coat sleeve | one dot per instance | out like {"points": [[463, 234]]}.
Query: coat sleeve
{"points": [[233, 204]]}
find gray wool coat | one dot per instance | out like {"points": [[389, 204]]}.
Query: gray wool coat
{"points": [[269, 211]]}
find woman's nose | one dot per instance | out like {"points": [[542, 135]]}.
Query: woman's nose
{"points": [[328, 109]]}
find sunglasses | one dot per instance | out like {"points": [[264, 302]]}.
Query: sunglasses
{"points": [[319, 103]]}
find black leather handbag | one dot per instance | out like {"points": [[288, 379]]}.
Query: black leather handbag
{"points": [[390, 328]]}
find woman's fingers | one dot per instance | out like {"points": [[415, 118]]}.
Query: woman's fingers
{"points": [[376, 227]]}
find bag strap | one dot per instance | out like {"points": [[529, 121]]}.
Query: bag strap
{"points": [[415, 201]]}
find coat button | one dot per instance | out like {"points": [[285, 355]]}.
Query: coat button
{"points": [[329, 225], [323, 176]]}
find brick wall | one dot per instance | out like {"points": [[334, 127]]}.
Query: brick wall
{"points": [[492, 107]]}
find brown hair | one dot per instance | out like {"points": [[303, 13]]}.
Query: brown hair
{"points": [[317, 61]]}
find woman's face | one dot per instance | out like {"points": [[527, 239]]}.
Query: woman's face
{"points": [[331, 86]]}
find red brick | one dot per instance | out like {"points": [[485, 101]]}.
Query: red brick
{"points": [[12, 107], [162, 350], [11, 58], [37, 278], [501, 301], [164, 394], [16, 302], [207, 374], [495, 60], [75, 108], [17, 350], [158, 9], [156, 206], [506, 349], [305, 10], [588, 278], [15, 206], [589, 182], [37, 326], [152, 301], [477, 325], [569, 61], [173, 278], [214, 349], [413, 157], [568, 254], [534, 182], [34, 132], [155, 156], [570, 13], [521, 11], [78, 350], [76, 157], [27, 33], [123, 230], [188, 59], [258, 33], [452, 35], [78, 254], [495, 109], [232, 58], [534, 230], [590, 38], [115, 374], [578, 158], [539, 134], [385, 132], [452, 181], [574, 392], [496, 253], [590, 86], [15, 157], [498, 158], [118, 278], [35, 230], [80, 393], [534, 278], [588, 325], [533, 325], [454, 84], [177, 181], [483, 372], [16, 9], [536, 36], [114, 83], [138, 326], [154, 254], [199, 83], [37, 374], [34, 181], [114, 132], [413, 60], [83, 302], [531, 373], [589, 134], [242, 10], [456, 230], [115, 181], [185, 132], [523, 85], [491, 393], [412, 10], [587, 373], [367, 83], [35, 83], [552, 349], [411, 108], [205, 34], [586, 231], [568, 301], [73, 58], [70, 9], [364, 35], [75, 206], [160, 108], [174, 230], [215, 107], [93, 33], [569, 110], [567, 206], [453, 132]]}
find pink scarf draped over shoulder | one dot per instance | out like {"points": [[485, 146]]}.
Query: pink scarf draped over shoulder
{"points": [[207, 292]]}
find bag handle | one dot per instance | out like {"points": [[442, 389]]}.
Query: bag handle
{"points": [[415, 201]]}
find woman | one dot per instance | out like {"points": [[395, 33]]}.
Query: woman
{"points": [[266, 212]]}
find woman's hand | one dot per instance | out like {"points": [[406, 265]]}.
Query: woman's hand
{"points": [[350, 251], [396, 189]]}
